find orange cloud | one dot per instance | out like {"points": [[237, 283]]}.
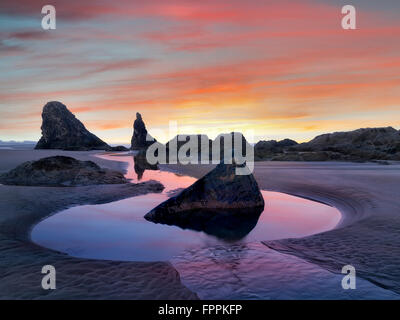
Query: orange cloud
{"points": [[276, 66]]}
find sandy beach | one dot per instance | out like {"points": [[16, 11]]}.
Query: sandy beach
{"points": [[366, 194], [97, 98], [368, 236], [21, 261]]}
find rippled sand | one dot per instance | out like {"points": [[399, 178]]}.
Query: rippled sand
{"points": [[252, 271], [367, 194], [21, 261], [368, 238]]}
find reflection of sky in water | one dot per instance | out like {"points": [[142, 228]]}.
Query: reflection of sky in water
{"points": [[170, 180], [253, 271], [212, 268], [118, 230]]}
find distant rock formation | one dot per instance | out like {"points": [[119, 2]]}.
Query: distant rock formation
{"points": [[61, 171], [140, 139], [228, 143], [366, 144], [265, 149], [386, 140], [221, 200], [61, 130], [203, 146]]}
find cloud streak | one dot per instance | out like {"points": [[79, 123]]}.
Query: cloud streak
{"points": [[284, 68]]}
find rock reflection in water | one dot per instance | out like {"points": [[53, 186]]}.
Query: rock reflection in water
{"points": [[228, 225], [141, 164]]}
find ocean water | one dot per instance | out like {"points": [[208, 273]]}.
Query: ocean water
{"points": [[210, 265]]}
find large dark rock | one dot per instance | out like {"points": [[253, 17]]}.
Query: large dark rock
{"points": [[140, 138], [61, 171], [221, 203], [62, 130]]}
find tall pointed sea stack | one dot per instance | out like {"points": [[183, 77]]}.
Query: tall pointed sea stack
{"points": [[62, 130], [139, 138]]}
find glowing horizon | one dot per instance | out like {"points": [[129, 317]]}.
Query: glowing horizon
{"points": [[284, 70]]}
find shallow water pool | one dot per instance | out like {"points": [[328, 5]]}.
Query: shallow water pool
{"points": [[212, 267], [118, 231]]}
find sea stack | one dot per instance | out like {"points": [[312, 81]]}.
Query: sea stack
{"points": [[140, 139], [221, 197], [62, 130]]}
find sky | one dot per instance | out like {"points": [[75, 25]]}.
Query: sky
{"points": [[278, 69]]}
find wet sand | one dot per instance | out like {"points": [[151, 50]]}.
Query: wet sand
{"points": [[21, 260], [367, 194], [367, 237]]}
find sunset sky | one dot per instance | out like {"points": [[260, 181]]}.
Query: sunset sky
{"points": [[285, 69]]}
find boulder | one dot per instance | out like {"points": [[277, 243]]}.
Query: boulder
{"points": [[62, 130], [140, 139], [61, 171], [219, 203]]}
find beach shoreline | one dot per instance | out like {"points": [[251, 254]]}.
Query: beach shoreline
{"points": [[364, 193], [367, 196], [21, 260]]}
